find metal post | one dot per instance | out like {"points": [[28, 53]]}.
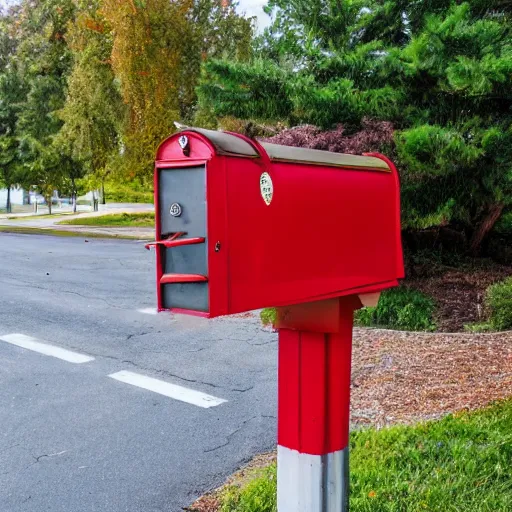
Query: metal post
{"points": [[313, 417]]}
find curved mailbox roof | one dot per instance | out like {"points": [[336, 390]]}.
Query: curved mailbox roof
{"points": [[226, 143], [230, 144]]}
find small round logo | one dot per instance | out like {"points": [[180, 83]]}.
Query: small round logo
{"points": [[267, 188], [175, 210], [183, 142]]}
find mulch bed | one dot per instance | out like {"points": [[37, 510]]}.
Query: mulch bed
{"points": [[404, 377], [401, 377], [459, 293]]}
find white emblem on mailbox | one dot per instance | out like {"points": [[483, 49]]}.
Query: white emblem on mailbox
{"points": [[183, 142], [267, 188], [175, 210]]}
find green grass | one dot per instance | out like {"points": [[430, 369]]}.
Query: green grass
{"points": [[42, 216], [259, 495], [58, 232], [400, 308], [462, 463], [139, 220]]}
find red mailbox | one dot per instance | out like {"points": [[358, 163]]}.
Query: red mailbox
{"points": [[242, 225]]}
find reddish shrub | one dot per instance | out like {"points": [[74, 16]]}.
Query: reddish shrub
{"points": [[372, 137]]}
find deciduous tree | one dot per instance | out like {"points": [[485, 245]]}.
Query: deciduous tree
{"points": [[44, 61], [93, 113], [12, 93], [157, 50]]}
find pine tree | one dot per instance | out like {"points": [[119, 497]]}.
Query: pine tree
{"points": [[439, 70]]}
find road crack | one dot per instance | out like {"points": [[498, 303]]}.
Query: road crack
{"points": [[49, 455], [229, 436]]}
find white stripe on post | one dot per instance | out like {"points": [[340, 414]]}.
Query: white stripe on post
{"points": [[311, 483]]}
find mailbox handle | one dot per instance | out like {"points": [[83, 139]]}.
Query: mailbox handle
{"points": [[263, 155], [175, 243]]}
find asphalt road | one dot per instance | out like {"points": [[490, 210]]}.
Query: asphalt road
{"points": [[73, 439]]}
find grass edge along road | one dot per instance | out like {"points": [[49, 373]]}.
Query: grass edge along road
{"points": [[22, 230], [462, 462], [115, 220]]}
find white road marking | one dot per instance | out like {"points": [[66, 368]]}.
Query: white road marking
{"points": [[29, 343], [187, 395], [148, 311]]}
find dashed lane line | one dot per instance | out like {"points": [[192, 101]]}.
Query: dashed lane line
{"points": [[174, 391], [161, 387], [148, 311], [29, 343]]}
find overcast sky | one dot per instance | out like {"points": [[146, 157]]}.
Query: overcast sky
{"points": [[255, 8]]}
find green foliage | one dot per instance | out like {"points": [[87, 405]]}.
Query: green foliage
{"points": [[499, 302], [43, 61], [93, 112], [478, 328], [400, 308], [257, 90], [116, 193], [11, 93], [157, 48], [440, 71], [461, 462], [504, 227], [89, 88], [268, 316], [428, 149]]}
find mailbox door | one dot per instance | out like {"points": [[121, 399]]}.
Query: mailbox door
{"points": [[191, 242], [182, 211], [185, 189]]}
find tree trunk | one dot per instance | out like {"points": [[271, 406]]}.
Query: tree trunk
{"points": [[103, 199], [49, 202], [484, 228], [8, 205]]}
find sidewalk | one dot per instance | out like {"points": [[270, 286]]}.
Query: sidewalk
{"points": [[25, 222]]}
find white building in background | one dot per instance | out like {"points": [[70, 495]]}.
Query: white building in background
{"points": [[19, 196]]}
